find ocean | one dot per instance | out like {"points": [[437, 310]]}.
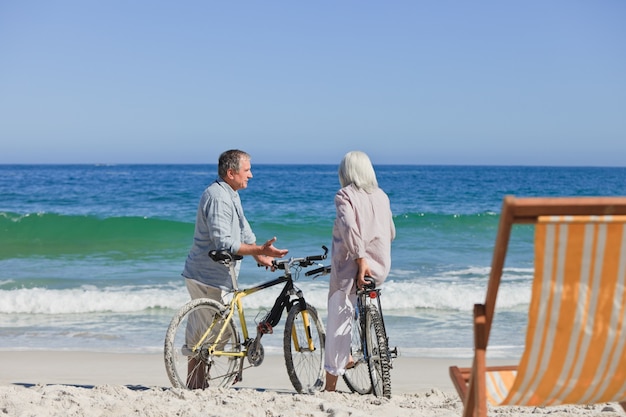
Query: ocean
{"points": [[91, 255]]}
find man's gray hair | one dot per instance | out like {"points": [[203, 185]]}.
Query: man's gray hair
{"points": [[230, 160]]}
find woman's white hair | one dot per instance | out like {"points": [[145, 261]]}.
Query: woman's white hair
{"points": [[356, 169]]}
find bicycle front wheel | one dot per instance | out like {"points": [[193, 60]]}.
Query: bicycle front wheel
{"points": [[378, 353], [188, 362], [303, 345], [357, 377]]}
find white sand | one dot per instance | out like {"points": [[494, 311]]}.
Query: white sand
{"points": [[109, 384]]}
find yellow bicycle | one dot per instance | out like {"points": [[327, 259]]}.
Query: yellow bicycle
{"points": [[203, 346]]}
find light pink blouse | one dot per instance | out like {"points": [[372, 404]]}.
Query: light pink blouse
{"points": [[363, 228]]}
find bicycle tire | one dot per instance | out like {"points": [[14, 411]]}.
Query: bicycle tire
{"points": [[378, 353], [304, 366], [213, 370], [357, 378]]}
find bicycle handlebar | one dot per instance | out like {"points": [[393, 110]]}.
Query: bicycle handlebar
{"points": [[323, 270], [226, 257], [304, 262], [318, 257]]}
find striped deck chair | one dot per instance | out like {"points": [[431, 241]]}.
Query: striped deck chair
{"points": [[575, 350]]}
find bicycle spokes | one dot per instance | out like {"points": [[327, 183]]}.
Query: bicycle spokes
{"points": [[357, 377], [191, 363], [304, 349], [379, 360]]}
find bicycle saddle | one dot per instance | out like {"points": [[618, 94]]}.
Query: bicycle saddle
{"points": [[371, 284], [223, 256]]}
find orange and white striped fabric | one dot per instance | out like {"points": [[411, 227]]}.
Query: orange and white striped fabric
{"points": [[576, 339]]}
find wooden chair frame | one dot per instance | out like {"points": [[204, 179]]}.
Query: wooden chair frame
{"points": [[470, 383]]}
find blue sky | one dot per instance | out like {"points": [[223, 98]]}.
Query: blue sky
{"points": [[413, 82]]}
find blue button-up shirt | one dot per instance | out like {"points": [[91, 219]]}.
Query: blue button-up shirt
{"points": [[220, 224]]}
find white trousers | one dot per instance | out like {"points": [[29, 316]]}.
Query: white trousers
{"points": [[339, 332]]}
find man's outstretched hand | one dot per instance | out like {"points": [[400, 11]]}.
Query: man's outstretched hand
{"points": [[269, 252]]}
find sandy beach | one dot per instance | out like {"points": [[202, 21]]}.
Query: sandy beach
{"points": [[46, 383]]}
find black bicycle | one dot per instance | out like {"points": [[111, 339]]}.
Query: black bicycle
{"points": [[204, 347], [370, 352]]}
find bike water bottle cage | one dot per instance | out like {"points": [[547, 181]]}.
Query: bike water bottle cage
{"points": [[224, 256]]}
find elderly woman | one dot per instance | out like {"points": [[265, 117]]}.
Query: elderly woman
{"points": [[361, 246]]}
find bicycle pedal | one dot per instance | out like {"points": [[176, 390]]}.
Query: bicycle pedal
{"points": [[393, 353], [265, 328]]}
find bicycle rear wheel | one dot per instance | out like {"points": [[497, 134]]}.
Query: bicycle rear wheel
{"points": [[303, 344], [378, 353], [357, 378], [191, 369]]}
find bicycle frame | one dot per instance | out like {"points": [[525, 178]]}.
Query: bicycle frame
{"points": [[283, 301]]}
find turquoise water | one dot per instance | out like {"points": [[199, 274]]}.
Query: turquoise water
{"points": [[90, 256]]}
